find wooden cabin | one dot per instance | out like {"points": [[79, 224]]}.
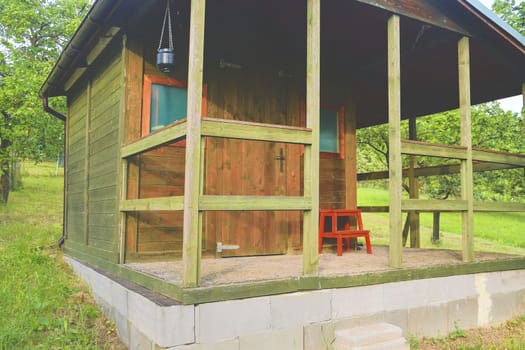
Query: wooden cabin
{"points": [[236, 149]]}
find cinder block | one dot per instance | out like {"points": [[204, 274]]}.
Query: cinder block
{"points": [[462, 314], [229, 319], [298, 309], [174, 325], [520, 302], [142, 314], [513, 280], [289, 339], [428, 320], [405, 295], [319, 336], [503, 307], [460, 287], [357, 301], [372, 319], [122, 325], [138, 341]]}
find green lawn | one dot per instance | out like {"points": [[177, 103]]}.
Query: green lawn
{"points": [[497, 232], [43, 304]]}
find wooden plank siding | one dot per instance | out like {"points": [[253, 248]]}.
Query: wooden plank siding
{"points": [[76, 175]]}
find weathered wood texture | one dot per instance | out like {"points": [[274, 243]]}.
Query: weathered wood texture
{"points": [[467, 180], [93, 145], [394, 138]]}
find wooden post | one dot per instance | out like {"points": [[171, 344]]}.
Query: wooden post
{"points": [[193, 179], [394, 141], [467, 216], [350, 154], [413, 217], [523, 105], [311, 152]]}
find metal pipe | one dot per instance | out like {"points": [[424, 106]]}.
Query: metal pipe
{"points": [[62, 117]]}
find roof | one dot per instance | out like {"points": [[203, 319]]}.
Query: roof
{"points": [[497, 21], [506, 59]]}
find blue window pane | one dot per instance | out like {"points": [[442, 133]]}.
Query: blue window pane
{"points": [[168, 104], [329, 133]]}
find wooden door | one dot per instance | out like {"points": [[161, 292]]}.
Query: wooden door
{"points": [[249, 168]]}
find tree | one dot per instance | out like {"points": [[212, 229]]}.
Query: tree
{"points": [[32, 35], [512, 13]]}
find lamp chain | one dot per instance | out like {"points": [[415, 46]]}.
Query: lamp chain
{"points": [[167, 16]]}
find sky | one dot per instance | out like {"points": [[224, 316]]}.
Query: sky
{"points": [[513, 103]]}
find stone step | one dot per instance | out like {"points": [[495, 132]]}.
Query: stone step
{"points": [[370, 337]]}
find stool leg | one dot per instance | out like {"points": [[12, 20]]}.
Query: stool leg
{"points": [[347, 243], [339, 245], [368, 245]]}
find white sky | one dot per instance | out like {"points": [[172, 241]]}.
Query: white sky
{"points": [[513, 103]]}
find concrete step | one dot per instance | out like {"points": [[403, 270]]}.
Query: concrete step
{"points": [[371, 337]]}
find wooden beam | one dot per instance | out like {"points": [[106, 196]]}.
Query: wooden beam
{"points": [[433, 205], [255, 131], [193, 179], [394, 141], [77, 74], [351, 154], [418, 148], [227, 203], [422, 11], [435, 170], [169, 134], [146, 204], [311, 152], [413, 185], [499, 206], [489, 156], [467, 217], [374, 209], [101, 45]]}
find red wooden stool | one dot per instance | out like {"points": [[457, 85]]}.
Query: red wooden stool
{"points": [[353, 228]]}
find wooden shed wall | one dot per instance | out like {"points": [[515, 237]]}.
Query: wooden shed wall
{"points": [[93, 159]]}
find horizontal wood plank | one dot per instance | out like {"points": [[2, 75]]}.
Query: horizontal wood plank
{"points": [[432, 205], [169, 134], [227, 203], [159, 203], [499, 206], [417, 148], [255, 131], [498, 157]]}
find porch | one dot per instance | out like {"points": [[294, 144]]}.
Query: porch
{"points": [[243, 277]]}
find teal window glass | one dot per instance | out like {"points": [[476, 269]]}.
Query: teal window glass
{"points": [[168, 104], [329, 131]]}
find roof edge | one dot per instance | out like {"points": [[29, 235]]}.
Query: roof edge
{"points": [[94, 21]]}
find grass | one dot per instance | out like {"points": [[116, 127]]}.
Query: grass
{"points": [[493, 232], [43, 303]]}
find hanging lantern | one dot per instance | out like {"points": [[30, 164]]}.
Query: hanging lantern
{"points": [[166, 55]]}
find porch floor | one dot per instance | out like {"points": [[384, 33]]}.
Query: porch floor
{"points": [[235, 270]]}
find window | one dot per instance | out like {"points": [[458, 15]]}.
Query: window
{"points": [[164, 102], [332, 132]]}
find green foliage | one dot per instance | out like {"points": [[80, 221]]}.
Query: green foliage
{"points": [[492, 128], [43, 304], [511, 12], [32, 35]]}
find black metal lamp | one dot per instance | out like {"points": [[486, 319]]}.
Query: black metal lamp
{"points": [[166, 55]]}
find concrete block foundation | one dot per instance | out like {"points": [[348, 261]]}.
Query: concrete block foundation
{"points": [[310, 319]]}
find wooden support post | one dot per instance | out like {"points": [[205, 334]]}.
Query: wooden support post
{"points": [[193, 181], [467, 216], [413, 217], [311, 152], [523, 105], [129, 130], [350, 154], [394, 141]]}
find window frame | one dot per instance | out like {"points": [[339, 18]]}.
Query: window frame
{"points": [[341, 130], [149, 80]]}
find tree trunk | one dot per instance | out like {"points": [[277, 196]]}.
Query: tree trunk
{"points": [[4, 182], [15, 175]]}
